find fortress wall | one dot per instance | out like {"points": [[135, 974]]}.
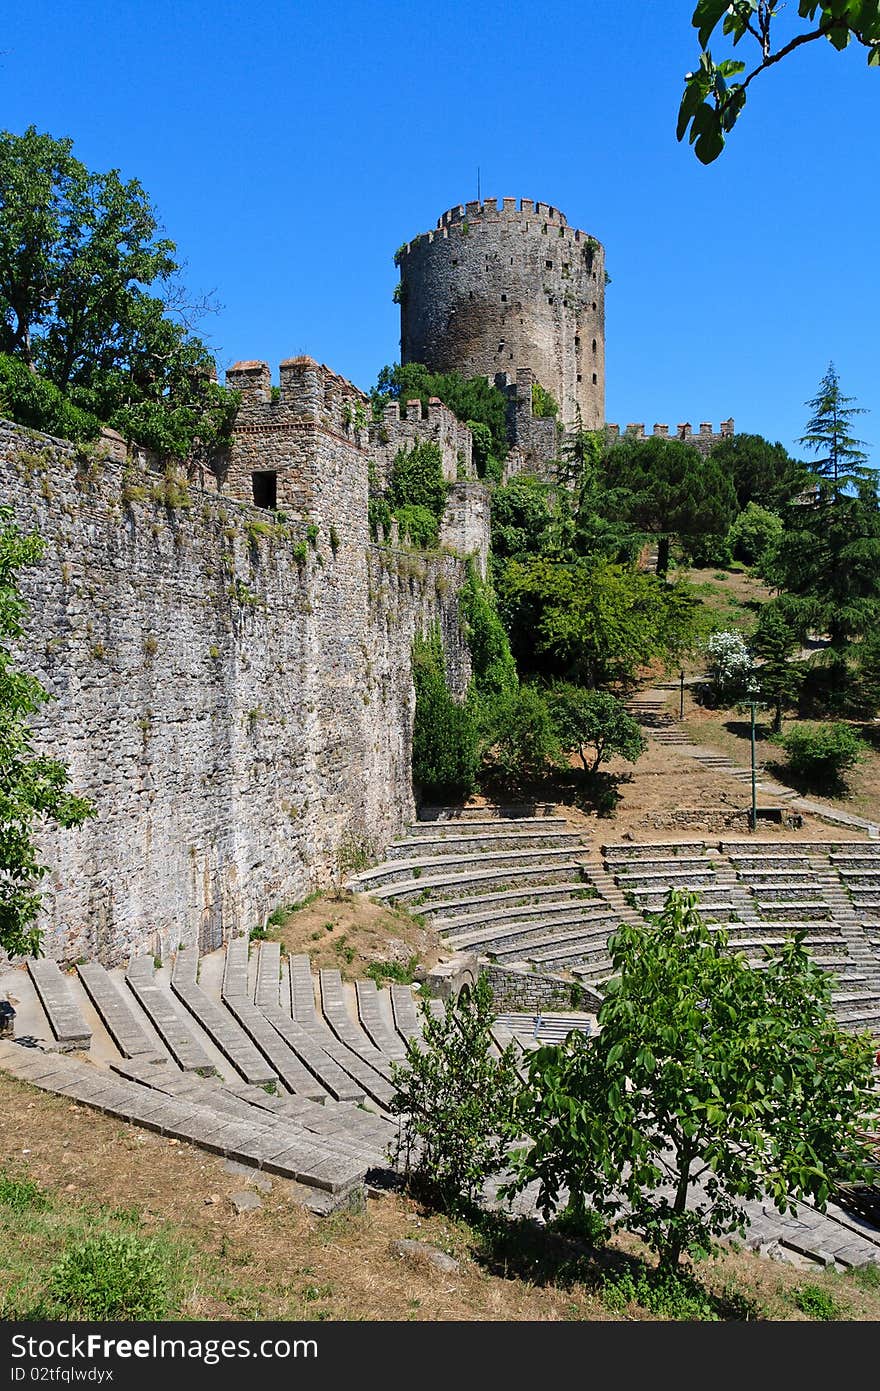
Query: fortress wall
{"points": [[404, 425], [235, 708]]}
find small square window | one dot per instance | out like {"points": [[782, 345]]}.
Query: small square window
{"points": [[549, 265]]}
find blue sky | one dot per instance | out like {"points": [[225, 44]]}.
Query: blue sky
{"points": [[290, 148]]}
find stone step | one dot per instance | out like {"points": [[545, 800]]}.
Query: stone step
{"points": [[117, 1014], [406, 1017], [60, 1005], [218, 1024], [493, 941], [279, 1054], [415, 848], [336, 1013], [531, 948], [672, 879], [167, 1018], [504, 811], [427, 867], [304, 1012], [374, 1024], [416, 892], [293, 1153], [511, 898], [800, 847], [493, 824], [628, 850], [530, 912]]}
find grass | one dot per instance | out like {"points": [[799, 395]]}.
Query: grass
{"points": [[103, 1216]]}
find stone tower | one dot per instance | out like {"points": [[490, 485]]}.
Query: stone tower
{"points": [[498, 289]]}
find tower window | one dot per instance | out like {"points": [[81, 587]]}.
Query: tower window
{"points": [[580, 378], [595, 379], [549, 265], [504, 299], [594, 345], [595, 306], [577, 341], [265, 487]]}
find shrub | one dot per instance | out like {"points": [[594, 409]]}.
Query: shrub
{"points": [[419, 524], [456, 1102], [594, 720], [821, 754], [113, 1277], [731, 667], [818, 1303], [445, 754], [519, 731], [753, 533], [493, 666], [417, 479], [544, 404], [21, 1194]]}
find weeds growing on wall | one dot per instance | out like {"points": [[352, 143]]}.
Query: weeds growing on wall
{"points": [[445, 740]]}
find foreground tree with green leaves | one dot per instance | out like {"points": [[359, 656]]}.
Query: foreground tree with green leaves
{"points": [[455, 1100], [33, 788], [712, 103], [89, 300], [710, 1083]]}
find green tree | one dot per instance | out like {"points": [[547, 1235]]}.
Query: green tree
{"points": [[669, 489], [829, 434], [445, 752], [709, 1084], [519, 736], [822, 754], [827, 563], [712, 103], [529, 518], [78, 256], [33, 788], [761, 472], [455, 1100], [596, 721], [417, 478], [754, 533], [778, 675], [594, 622]]}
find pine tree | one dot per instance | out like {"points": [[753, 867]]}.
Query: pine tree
{"points": [[829, 434]]}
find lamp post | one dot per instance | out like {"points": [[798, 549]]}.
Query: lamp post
{"points": [[753, 817], [681, 695]]}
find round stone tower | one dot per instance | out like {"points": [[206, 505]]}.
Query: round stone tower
{"points": [[498, 289]]}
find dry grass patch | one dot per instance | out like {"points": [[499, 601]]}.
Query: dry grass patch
{"points": [[358, 936]]}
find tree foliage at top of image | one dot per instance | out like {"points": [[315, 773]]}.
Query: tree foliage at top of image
{"points": [[761, 472], [90, 300], [34, 789], [704, 1072], [715, 94]]}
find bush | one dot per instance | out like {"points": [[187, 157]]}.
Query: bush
{"points": [[34, 401], [492, 660], [113, 1277], [708, 550], [594, 720], [520, 734], [445, 754], [417, 479], [821, 754], [544, 404], [419, 525], [818, 1303], [456, 1102], [755, 531], [731, 667]]}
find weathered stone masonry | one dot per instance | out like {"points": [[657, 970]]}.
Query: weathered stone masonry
{"points": [[233, 692]]}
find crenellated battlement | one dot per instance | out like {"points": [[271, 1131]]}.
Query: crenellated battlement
{"points": [[460, 221], [309, 390], [406, 424], [705, 439]]}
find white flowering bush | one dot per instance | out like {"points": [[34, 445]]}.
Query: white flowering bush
{"points": [[731, 668]]}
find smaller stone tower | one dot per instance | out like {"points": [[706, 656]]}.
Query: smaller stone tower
{"points": [[501, 289]]}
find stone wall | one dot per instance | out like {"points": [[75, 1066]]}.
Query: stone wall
{"points": [[403, 427], [231, 689], [705, 440], [495, 289], [519, 988]]}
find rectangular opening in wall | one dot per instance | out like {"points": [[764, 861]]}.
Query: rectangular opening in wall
{"points": [[265, 489]]}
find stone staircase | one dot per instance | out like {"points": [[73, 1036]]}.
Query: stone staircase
{"points": [[509, 885], [764, 891], [245, 1053]]}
